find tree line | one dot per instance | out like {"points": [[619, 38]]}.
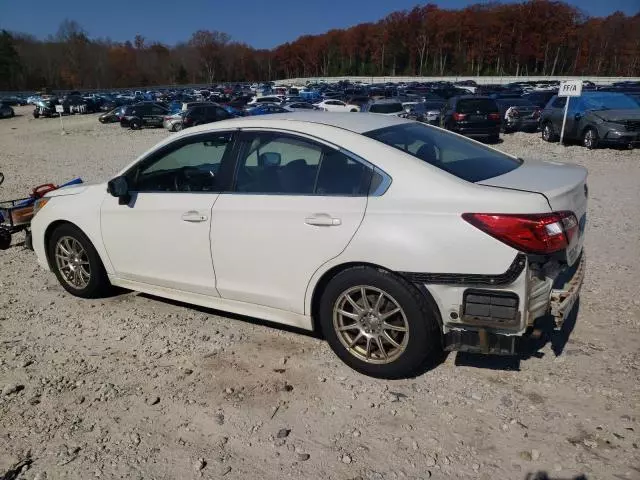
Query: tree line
{"points": [[538, 37]]}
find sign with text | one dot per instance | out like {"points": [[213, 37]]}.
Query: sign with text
{"points": [[59, 109], [570, 88]]}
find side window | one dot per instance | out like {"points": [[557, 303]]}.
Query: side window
{"points": [[283, 164], [190, 167], [341, 175], [157, 111], [272, 163], [559, 102]]}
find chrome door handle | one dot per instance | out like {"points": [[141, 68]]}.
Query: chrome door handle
{"points": [[194, 217], [322, 220]]}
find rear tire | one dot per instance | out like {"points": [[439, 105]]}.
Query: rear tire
{"points": [[590, 138], [136, 124], [5, 238], [76, 263], [364, 338], [548, 133]]}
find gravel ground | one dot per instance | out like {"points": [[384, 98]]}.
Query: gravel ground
{"points": [[138, 387]]}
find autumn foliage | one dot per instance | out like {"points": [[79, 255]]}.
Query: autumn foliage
{"points": [[538, 37]]}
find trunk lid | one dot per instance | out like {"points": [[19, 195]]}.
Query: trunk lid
{"points": [[563, 185]]}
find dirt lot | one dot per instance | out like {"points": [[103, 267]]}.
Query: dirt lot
{"points": [[137, 387]]}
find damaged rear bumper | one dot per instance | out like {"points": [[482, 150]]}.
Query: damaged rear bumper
{"points": [[489, 318], [564, 298]]}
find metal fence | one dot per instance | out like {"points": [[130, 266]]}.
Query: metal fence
{"points": [[484, 80]]}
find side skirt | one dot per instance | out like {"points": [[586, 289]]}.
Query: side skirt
{"points": [[241, 308]]}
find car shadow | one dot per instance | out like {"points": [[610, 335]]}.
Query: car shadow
{"points": [[527, 347]]}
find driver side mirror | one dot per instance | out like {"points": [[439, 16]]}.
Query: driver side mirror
{"points": [[119, 187]]}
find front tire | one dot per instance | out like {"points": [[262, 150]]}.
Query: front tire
{"points": [[590, 138], [136, 124], [378, 323], [548, 133], [76, 263]]}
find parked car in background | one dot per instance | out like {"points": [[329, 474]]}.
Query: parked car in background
{"points": [[265, 109], [265, 99], [370, 227], [296, 106], [539, 99], [115, 115], [14, 100], [45, 107], [426, 112], [595, 118], [472, 116], [202, 114], [173, 121], [518, 114], [384, 107], [6, 111], [332, 105], [143, 115]]}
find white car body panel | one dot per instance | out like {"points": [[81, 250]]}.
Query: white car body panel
{"points": [[256, 238], [151, 242], [255, 255]]}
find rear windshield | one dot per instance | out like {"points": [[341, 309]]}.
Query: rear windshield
{"points": [[472, 105], [386, 108], [456, 155]]}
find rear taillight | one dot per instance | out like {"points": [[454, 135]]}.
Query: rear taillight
{"points": [[494, 116], [458, 116], [530, 233]]}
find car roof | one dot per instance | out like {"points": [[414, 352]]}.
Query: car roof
{"points": [[353, 122], [385, 101]]}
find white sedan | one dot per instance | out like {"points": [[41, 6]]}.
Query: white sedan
{"points": [[336, 106], [393, 238]]}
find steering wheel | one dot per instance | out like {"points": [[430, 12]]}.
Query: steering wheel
{"points": [[181, 180]]}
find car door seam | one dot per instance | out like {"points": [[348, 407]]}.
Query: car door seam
{"points": [[306, 291]]}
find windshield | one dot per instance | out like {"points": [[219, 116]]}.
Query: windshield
{"points": [[386, 108], [613, 101], [458, 156]]}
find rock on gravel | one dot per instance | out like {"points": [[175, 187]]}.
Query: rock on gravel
{"points": [[11, 388]]}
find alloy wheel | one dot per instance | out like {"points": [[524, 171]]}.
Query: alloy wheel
{"points": [[73, 262], [370, 324], [589, 139]]}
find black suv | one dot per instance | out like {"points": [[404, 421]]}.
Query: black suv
{"points": [[472, 116], [143, 115], [204, 114]]}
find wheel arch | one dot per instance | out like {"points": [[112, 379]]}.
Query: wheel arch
{"points": [[52, 228], [324, 279]]}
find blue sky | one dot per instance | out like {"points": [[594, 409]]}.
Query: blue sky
{"points": [[260, 23]]}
